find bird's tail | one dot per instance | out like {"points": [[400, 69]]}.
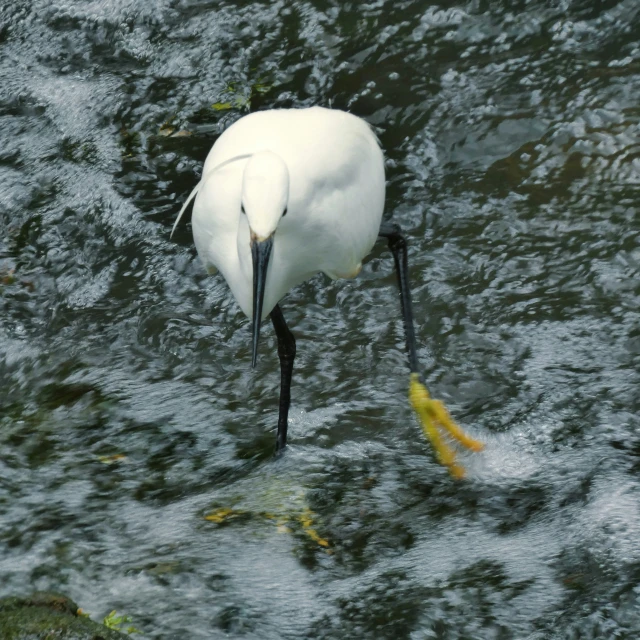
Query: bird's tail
{"points": [[192, 195]]}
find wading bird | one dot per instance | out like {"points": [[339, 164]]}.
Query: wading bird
{"points": [[284, 195]]}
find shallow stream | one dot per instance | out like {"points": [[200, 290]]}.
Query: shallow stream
{"points": [[129, 410]]}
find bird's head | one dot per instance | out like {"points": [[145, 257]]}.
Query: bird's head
{"points": [[265, 196]]}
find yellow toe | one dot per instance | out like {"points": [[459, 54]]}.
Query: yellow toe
{"points": [[306, 520], [222, 515], [443, 418]]}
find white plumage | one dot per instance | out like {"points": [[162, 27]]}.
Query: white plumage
{"points": [[323, 169], [286, 194]]}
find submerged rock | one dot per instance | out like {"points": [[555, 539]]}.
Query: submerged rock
{"points": [[45, 616]]}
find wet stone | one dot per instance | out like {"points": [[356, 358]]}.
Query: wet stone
{"points": [[48, 616]]}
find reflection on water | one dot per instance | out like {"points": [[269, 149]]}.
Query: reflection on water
{"points": [[511, 132]]}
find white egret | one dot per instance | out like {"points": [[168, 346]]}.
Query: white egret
{"points": [[285, 194]]}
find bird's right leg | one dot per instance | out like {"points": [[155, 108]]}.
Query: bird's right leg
{"points": [[432, 413], [287, 354]]}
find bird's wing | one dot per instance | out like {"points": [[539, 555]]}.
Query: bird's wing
{"points": [[192, 195]]}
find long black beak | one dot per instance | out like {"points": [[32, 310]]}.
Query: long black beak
{"points": [[260, 253]]}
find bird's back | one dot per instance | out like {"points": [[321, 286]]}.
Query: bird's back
{"points": [[323, 142]]}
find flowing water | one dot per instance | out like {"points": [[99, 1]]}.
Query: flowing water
{"points": [[129, 408]]}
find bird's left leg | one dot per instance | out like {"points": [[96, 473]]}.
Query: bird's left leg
{"points": [[432, 413], [287, 353]]}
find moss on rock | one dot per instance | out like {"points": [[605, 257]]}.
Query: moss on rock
{"points": [[48, 616]]}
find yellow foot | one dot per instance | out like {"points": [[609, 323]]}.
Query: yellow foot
{"points": [[283, 521], [433, 414]]}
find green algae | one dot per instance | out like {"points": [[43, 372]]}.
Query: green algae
{"points": [[49, 616]]}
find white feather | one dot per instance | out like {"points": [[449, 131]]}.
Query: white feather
{"points": [[334, 199], [192, 195]]}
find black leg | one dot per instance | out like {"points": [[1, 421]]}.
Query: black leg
{"points": [[398, 247], [432, 413], [287, 353]]}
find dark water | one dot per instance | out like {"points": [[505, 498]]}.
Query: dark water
{"points": [[513, 143]]}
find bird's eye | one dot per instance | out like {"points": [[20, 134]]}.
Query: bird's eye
{"points": [[242, 209], [284, 213]]}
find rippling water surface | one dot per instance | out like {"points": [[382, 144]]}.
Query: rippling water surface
{"points": [[512, 136]]}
